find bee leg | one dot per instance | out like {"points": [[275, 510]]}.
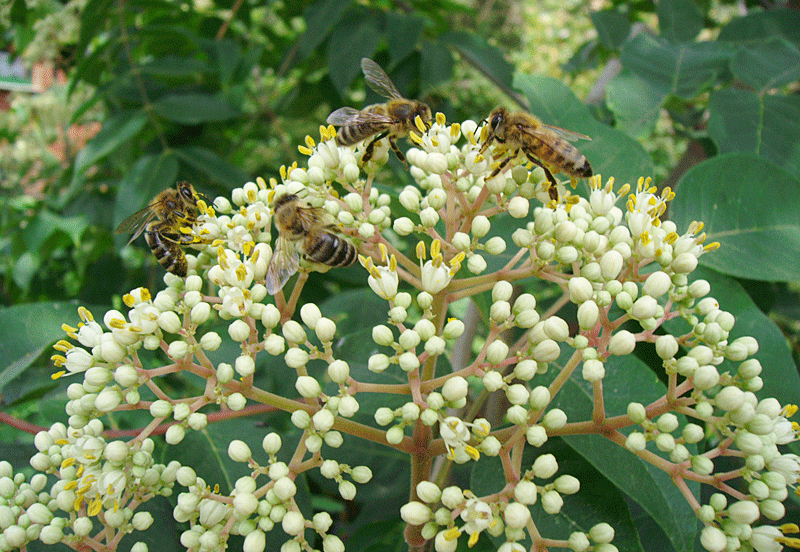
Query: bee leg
{"points": [[552, 190], [397, 152], [502, 165], [371, 147]]}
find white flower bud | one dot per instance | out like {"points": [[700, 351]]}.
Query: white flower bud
{"points": [[536, 436], [729, 398], [296, 357], [525, 492], [622, 343], [409, 339], [705, 377], [415, 513], [713, 539], [408, 361], [428, 217], [476, 264], [744, 511], [702, 465], [461, 241], [238, 451], [657, 284], [378, 363], [428, 492], [453, 329], [239, 330], [310, 313], [308, 387], [274, 344], [270, 316], [554, 419], [684, 263], [611, 264], [517, 394], [480, 226], [403, 226], [567, 484], [325, 330], [516, 515], [496, 352], [588, 314], [443, 544], [580, 289], [455, 388], [593, 370], [495, 245], [578, 542], [517, 415], [339, 371], [210, 341], [169, 322], [518, 207], [546, 351], [293, 332], [493, 381], [525, 370], [556, 328], [540, 398], [293, 523], [552, 502]]}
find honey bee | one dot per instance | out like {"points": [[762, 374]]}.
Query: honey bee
{"points": [[296, 221], [161, 222], [393, 119], [544, 145]]}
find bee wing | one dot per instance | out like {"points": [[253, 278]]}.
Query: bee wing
{"points": [[284, 263], [378, 80], [562, 132], [345, 116], [136, 223]]}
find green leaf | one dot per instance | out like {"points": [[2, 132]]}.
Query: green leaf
{"points": [[679, 20], [46, 224], [759, 26], [117, 130], [228, 55], [744, 121], [636, 104], [25, 269], [403, 33], [483, 56], [320, 18], [35, 327], [629, 379], [437, 65], [195, 108], [612, 27], [175, 67], [353, 39], [769, 64], [611, 152], [752, 208], [148, 176], [216, 168], [681, 69]]}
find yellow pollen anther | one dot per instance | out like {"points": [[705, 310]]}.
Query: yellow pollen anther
{"points": [[241, 273], [262, 184], [117, 323], [436, 248], [78, 503], [63, 346], [472, 452], [310, 142], [421, 251], [304, 150], [384, 252], [437, 260], [789, 528], [95, 506], [473, 538], [393, 263], [85, 315], [375, 274], [71, 485], [420, 124], [282, 172], [455, 128], [452, 534], [713, 246], [458, 259], [414, 137], [790, 410], [441, 120], [58, 375], [128, 300], [58, 360]]}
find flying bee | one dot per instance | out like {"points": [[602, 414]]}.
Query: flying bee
{"points": [[544, 145], [297, 222], [393, 119], [161, 223]]}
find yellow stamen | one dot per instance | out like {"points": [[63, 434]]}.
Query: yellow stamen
{"points": [[414, 137], [713, 246], [85, 315], [78, 503], [436, 248], [58, 375], [310, 142], [472, 452], [304, 150], [790, 410], [421, 251], [63, 346], [384, 252], [420, 124], [128, 300], [67, 462], [117, 324], [455, 129], [473, 538], [393, 263], [81, 469], [95, 506], [789, 528], [58, 360], [71, 485], [452, 534], [283, 172], [262, 184]]}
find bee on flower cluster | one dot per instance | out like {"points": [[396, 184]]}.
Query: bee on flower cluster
{"points": [[544, 145], [309, 229], [393, 119], [166, 224]]}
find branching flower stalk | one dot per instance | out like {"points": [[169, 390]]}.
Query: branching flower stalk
{"points": [[616, 264]]}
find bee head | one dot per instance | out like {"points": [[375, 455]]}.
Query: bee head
{"points": [[496, 118], [186, 192]]}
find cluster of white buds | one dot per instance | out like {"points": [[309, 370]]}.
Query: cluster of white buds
{"points": [[624, 271]]}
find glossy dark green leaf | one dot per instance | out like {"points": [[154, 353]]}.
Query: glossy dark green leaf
{"points": [[148, 176], [758, 26], [680, 69], [612, 27], [212, 165], [744, 121], [483, 56], [353, 39], [752, 208], [679, 20], [228, 55], [636, 104], [117, 130], [36, 326], [610, 152], [769, 64], [320, 18], [193, 109]]}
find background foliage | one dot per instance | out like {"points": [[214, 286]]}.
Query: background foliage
{"points": [[700, 95]]}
